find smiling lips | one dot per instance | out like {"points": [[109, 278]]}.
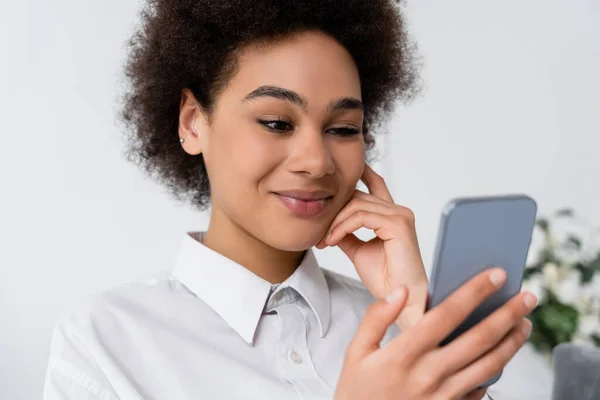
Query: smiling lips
{"points": [[304, 203]]}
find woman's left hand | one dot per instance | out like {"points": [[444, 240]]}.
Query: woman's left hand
{"points": [[392, 258]]}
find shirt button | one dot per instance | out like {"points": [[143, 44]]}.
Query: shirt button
{"points": [[295, 357]]}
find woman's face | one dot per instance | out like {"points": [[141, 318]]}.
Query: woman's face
{"points": [[284, 147]]}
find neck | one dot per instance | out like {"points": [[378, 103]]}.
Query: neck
{"points": [[232, 241]]}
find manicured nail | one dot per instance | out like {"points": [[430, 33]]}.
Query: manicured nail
{"points": [[498, 276], [395, 295], [527, 328], [530, 300]]}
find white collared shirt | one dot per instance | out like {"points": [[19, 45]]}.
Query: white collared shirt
{"points": [[208, 329]]}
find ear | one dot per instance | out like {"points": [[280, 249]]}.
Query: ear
{"points": [[193, 126]]}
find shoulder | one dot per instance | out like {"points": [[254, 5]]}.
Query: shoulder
{"points": [[105, 308], [93, 330], [107, 324]]}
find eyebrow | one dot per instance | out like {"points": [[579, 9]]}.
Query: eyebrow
{"points": [[343, 103]]}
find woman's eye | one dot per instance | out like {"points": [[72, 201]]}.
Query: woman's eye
{"points": [[282, 126], [344, 131], [276, 125]]}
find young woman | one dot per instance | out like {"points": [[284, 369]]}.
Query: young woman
{"points": [[265, 111]]}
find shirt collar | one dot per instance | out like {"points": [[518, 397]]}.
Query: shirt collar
{"points": [[237, 294]]}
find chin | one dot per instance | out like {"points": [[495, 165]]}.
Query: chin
{"points": [[294, 244], [281, 230], [295, 239]]}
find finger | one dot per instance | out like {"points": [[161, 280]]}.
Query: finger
{"points": [[485, 335], [381, 224], [440, 321], [361, 200], [348, 240], [369, 197], [490, 365], [364, 201], [349, 244], [398, 209], [376, 184], [372, 328], [356, 205]]}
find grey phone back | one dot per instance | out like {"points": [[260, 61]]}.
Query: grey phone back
{"points": [[477, 233]]}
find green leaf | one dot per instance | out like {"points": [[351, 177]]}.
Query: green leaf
{"points": [[553, 323], [547, 255], [539, 341], [531, 271], [542, 337], [574, 241], [596, 339], [560, 320], [587, 273], [564, 212], [595, 265], [543, 224]]}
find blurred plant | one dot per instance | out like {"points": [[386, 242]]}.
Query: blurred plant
{"points": [[564, 273]]}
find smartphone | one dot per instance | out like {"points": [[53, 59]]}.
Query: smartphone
{"points": [[477, 233]]}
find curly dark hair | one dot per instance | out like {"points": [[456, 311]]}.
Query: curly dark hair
{"points": [[192, 44]]}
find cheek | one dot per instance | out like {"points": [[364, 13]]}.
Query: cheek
{"points": [[255, 156], [242, 156], [350, 162]]}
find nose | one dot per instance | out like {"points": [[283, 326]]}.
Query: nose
{"points": [[310, 154]]}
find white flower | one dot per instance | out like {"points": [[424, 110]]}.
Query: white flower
{"points": [[583, 340], [551, 276], [594, 306], [583, 303], [552, 241], [569, 256], [589, 294], [535, 247], [568, 289], [594, 286], [588, 325], [533, 258]]}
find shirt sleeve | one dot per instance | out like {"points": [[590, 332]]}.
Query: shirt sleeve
{"points": [[72, 372]]}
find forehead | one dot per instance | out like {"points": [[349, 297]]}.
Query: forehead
{"points": [[310, 63]]}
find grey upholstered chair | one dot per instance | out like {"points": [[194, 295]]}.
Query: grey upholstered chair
{"points": [[576, 371]]}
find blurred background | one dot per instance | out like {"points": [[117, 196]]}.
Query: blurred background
{"points": [[510, 104]]}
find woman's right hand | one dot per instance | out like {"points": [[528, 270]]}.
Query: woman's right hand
{"points": [[414, 366]]}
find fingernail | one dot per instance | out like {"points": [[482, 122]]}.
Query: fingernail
{"points": [[395, 295], [498, 276], [527, 328], [530, 300]]}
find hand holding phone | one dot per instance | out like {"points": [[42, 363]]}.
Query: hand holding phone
{"points": [[478, 233], [414, 366]]}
